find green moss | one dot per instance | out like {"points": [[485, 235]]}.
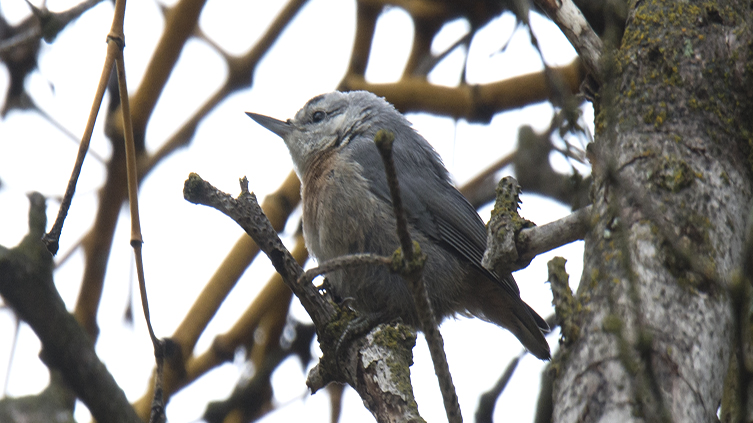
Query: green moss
{"points": [[508, 203], [401, 340], [393, 336], [408, 268], [565, 306], [673, 174], [697, 227], [660, 118], [730, 406], [694, 241], [688, 48], [648, 116], [645, 41], [655, 115], [594, 277], [725, 178], [612, 324], [334, 329]]}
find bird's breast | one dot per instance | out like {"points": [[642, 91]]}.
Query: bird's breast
{"points": [[339, 211]]}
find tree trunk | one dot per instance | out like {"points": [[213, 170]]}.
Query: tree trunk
{"points": [[672, 190]]}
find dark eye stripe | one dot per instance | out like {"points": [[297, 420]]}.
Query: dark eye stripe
{"points": [[346, 137]]}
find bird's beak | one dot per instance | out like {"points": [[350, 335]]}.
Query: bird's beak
{"points": [[279, 127]]}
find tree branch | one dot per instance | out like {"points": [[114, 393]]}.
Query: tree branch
{"points": [[26, 284], [475, 103], [375, 365], [411, 261], [573, 24], [512, 242]]}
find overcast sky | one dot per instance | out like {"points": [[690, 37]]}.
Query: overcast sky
{"points": [[310, 58]]}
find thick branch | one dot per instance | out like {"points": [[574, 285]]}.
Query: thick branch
{"points": [[570, 20], [26, 285], [377, 366], [475, 103]]}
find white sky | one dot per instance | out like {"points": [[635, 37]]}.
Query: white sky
{"points": [[184, 243]]}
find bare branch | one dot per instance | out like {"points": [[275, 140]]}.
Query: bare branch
{"points": [[573, 24], [512, 242], [26, 284], [475, 103], [540, 239], [245, 210], [345, 262], [488, 399], [52, 238], [385, 388]]}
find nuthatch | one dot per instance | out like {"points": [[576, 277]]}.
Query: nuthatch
{"points": [[347, 209]]}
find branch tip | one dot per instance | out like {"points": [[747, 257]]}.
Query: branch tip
{"points": [[384, 139], [244, 185], [193, 188]]}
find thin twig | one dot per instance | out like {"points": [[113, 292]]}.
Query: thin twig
{"points": [[559, 94], [412, 268], [62, 259], [488, 399], [133, 196], [384, 140], [117, 37], [64, 130], [428, 63], [344, 262], [52, 238], [13, 348]]}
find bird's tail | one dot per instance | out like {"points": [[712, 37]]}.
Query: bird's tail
{"points": [[498, 306]]}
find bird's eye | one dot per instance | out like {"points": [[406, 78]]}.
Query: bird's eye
{"points": [[318, 116]]}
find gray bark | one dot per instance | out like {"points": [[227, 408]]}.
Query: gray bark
{"points": [[672, 190]]}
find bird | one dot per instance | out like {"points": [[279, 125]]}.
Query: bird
{"points": [[347, 209]]}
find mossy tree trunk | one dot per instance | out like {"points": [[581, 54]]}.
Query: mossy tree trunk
{"points": [[672, 192]]}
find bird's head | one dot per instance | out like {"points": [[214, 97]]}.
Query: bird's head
{"points": [[328, 123]]}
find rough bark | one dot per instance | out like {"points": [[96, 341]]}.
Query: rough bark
{"points": [[672, 189]]}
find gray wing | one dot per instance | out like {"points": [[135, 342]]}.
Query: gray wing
{"points": [[432, 204]]}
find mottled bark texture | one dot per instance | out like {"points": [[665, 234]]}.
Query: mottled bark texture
{"points": [[672, 189]]}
